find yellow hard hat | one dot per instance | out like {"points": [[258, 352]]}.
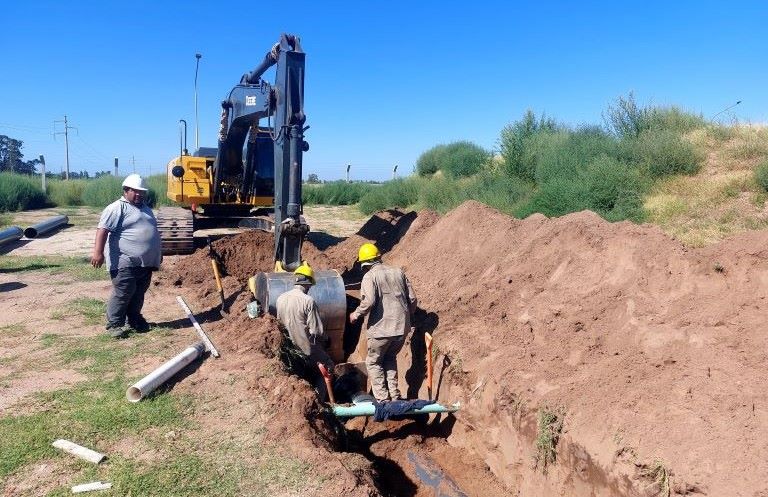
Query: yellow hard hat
{"points": [[368, 252], [305, 274]]}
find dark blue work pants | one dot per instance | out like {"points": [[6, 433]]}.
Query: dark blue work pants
{"points": [[128, 288]]}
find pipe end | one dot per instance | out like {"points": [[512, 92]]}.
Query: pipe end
{"points": [[134, 394], [30, 232]]}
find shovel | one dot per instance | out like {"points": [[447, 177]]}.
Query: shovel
{"points": [[428, 340], [217, 275], [327, 378]]}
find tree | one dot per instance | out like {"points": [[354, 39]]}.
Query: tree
{"points": [[12, 159], [313, 179]]}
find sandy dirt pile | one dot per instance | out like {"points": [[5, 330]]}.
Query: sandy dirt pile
{"points": [[654, 353]]}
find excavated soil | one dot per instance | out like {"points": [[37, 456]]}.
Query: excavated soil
{"points": [[653, 355]]}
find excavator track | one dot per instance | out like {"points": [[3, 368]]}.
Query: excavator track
{"points": [[177, 227]]}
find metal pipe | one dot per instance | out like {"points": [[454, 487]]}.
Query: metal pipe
{"points": [[149, 383], [43, 227], [10, 235], [368, 409]]}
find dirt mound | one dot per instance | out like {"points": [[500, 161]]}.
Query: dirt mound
{"points": [[653, 353]]}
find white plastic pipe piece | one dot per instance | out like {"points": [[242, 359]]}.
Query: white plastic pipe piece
{"points": [[79, 451], [89, 487], [149, 383]]}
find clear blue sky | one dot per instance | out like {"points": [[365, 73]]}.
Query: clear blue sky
{"points": [[385, 80]]}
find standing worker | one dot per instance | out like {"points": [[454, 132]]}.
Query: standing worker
{"points": [[130, 229], [298, 313], [387, 297]]}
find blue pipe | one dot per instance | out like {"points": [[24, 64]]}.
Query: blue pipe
{"points": [[367, 409]]}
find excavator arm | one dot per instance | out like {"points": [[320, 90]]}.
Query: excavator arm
{"points": [[247, 104]]}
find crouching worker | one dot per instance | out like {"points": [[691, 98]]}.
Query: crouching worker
{"points": [[297, 312], [387, 298]]}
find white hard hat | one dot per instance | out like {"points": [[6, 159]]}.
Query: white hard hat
{"points": [[136, 182]]}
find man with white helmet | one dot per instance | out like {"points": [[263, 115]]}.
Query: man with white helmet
{"points": [[128, 229], [387, 298]]}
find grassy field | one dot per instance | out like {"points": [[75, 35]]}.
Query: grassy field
{"points": [[162, 446]]}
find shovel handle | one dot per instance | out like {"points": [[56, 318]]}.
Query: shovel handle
{"points": [[327, 378], [428, 340]]}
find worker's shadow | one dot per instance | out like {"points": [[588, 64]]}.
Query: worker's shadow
{"points": [[415, 376]]}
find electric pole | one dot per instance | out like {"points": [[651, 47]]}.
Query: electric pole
{"points": [[67, 127], [348, 166], [42, 167], [394, 172], [115, 167], [133, 163]]}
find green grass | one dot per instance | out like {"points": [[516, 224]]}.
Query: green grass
{"points": [[550, 425], [6, 220], [79, 268], [19, 192], [102, 191], [335, 193], [66, 193], [92, 309]]}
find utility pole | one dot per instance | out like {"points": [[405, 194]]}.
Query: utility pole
{"points": [[394, 172], [348, 166], [115, 167], [67, 127], [42, 168], [133, 163]]}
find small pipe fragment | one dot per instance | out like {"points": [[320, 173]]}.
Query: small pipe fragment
{"points": [[10, 235], [89, 487], [79, 451], [149, 383]]}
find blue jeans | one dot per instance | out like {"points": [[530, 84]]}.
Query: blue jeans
{"points": [[128, 288]]}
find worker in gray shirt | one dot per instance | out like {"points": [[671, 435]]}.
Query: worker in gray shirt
{"points": [[298, 314], [128, 229], [387, 298]]}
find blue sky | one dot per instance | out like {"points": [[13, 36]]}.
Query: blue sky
{"points": [[385, 81]]}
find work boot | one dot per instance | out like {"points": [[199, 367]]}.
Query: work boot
{"points": [[117, 332], [141, 326]]}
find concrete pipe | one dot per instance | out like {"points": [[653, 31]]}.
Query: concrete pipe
{"points": [[328, 292], [46, 226], [149, 383], [10, 235]]}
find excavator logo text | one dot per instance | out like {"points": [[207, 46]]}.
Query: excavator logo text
{"points": [[250, 100]]}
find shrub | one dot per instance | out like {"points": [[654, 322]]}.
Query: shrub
{"points": [[102, 191], [396, 193], [440, 194], [625, 118], [512, 142], [761, 175], [335, 193], [464, 159], [567, 153], [675, 119], [430, 161], [605, 186], [69, 192], [662, 153], [500, 191], [19, 192]]}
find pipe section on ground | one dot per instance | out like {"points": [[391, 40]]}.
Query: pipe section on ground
{"points": [[10, 235], [149, 383], [368, 409], [46, 226]]}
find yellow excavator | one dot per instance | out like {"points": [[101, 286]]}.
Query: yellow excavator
{"points": [[254, 177]]}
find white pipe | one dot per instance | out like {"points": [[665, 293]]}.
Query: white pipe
{"points": [[146, 385], [89, 487], [79, 451]]}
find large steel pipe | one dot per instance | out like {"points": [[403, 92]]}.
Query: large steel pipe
{"points": [[328, 292], [10, 235], [44, 227], [149, 383]]}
